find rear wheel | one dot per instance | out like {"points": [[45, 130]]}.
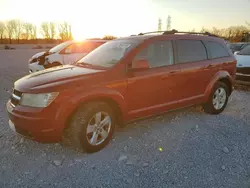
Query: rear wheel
{"points": [[91, 127], [218, 99]]}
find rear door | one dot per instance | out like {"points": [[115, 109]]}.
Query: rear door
{"points": [[151, 90], [193, 60], [220, 58]]}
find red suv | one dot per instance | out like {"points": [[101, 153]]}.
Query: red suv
{"points": [[120, 81]]}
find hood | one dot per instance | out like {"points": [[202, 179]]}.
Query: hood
{"points": [[38, 55], [243, 60], [45, 79]]}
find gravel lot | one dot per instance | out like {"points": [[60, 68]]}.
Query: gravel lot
{"points": [[186, 148]]}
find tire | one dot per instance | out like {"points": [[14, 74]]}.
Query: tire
{"points": [[76, 134], [213, 107]]}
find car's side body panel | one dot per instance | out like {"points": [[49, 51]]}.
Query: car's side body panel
{"points": [[137, 94]]}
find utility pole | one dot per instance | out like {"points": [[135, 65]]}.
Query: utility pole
{"points": [[159, 24], [169, 23]]}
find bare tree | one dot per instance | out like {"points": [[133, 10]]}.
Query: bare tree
{"points": [[34, 32], [52, 30], [19, 28], [65, 31], [45, 30], [215, 31], [10, 29], [109, 37], [48, 30], [2, 30], [16, 26], [27, 27], [233, 33]]}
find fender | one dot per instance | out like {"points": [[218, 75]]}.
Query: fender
{"points": [[218, 76], [99, 93]]}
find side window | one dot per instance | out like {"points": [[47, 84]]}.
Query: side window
{"points": [[87, 47], [71, 49], [216, 50], [190, 51], [158, 54]]}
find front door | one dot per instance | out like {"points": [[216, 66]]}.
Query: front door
{"points": [[152, 90]]}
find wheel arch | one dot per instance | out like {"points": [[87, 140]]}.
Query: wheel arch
{"points": [[116, 102], [222, 76]]}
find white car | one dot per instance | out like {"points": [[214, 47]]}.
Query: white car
{"points": [[243, 66], [65, 53]]}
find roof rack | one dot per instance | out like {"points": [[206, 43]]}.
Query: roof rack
{"points": [[179, 32]]}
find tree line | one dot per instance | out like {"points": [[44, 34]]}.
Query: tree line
{"points": [[17, 30], [232, 34]]}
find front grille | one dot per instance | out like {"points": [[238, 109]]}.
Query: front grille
{"points": [[15, 97], [243, 70]]}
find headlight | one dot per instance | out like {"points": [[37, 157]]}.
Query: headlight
{"points": [[38, 100]]}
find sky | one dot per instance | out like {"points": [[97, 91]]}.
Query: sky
{"points": [[96, 18]]}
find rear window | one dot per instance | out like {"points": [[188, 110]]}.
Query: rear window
{"points": [[190, 51], [216, 50]]}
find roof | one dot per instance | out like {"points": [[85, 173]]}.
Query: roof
{"points": [[87, 40], [96, 40], [136, 37], [148, 35]]}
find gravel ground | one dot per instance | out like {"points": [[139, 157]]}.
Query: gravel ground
{"points": [[186, 148]]}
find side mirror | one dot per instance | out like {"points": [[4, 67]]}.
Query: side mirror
{"points": [[140, 64]]}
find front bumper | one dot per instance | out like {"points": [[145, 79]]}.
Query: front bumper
{"points": [[34, 123], [242, 79]]}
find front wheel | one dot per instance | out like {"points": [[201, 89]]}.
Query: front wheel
{"points": [[218, 99], [92, 127]]}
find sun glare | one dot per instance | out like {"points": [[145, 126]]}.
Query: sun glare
{"points": [[95, 18]]}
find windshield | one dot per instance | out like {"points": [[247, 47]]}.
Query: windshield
{"points": [[236, 47], [59, 47], [245, 45], [108, 54], [245, 51]]}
